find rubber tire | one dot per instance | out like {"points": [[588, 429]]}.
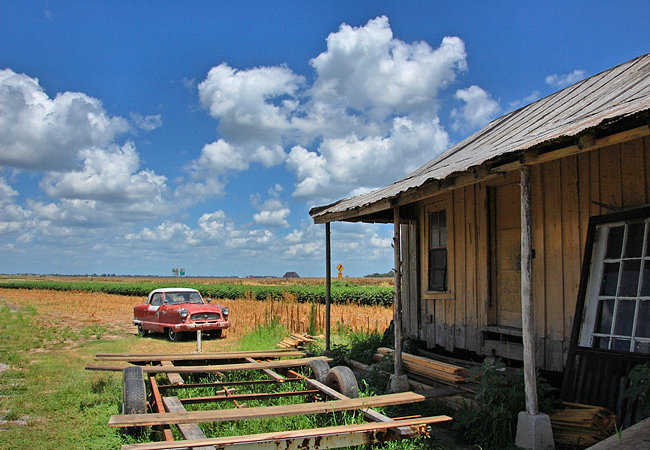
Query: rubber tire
{"points": [[342, 379], [319, 369], [134, 399], [141, 331], [216, 334], [174, 336]]}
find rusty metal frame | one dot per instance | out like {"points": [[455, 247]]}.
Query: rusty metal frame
{"points": [[383, 429]]}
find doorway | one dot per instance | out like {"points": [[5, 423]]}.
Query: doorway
{"points": [[505, 303]]}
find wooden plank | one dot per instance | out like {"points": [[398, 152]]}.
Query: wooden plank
{"points": [[331, 393], [610, 178], [189, 431], [571, 261], [483, 246], [427, 362], [216, 368], [633, 173], [294, 434], [174, 377], [646, 154], [413, 285], [255, 396], [594, 182], [459, 322], [129, 420], [471, 313], [538, 287], [146, 357], [584, 198], [270, 373], [553, 268]]}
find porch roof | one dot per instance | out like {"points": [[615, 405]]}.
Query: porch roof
{"points": [[553, 121]]}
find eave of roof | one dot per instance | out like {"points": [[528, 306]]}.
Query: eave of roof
{"points": [[614, 94]]}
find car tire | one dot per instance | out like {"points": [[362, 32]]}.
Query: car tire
{"points": [[319, 369], [134, 399], [216, 333], [142, 331], [174, 336], [342, 379]]}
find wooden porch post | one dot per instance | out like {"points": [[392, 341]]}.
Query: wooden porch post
{"points": [[527, 323], [397, 315], [328, 285]]}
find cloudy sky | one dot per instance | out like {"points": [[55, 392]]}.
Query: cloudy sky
{"points": [[140, 136]]}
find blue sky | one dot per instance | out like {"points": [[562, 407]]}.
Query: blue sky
{"points": [[140, 136]]}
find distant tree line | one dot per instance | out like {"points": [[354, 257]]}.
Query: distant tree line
{"points": [[390, 273]]}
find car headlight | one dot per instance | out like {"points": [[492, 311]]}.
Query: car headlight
{"points": [[182, 312], [225, 312]]}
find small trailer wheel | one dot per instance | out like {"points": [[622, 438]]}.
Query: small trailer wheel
{"points": [[134, 399], [342, 379], [319, 369]]}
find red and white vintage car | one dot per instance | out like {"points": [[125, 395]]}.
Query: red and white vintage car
{"points": [[175, 311]]}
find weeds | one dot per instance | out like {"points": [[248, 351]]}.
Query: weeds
{"points": [[502, 397]]}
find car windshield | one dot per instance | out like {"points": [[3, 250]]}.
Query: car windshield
{"points": [[174, 298]]}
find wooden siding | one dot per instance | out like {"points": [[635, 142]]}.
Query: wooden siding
{"points": [[563, 196]]}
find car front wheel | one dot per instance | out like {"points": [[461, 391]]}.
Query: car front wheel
{"points": [[173, 336], [142, 331]]}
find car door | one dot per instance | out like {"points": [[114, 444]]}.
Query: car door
{"points": [[153, 310]]}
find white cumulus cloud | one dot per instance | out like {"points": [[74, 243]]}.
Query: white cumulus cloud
{"points": [[478, 109], [565, 79], [369, 117], [147, 123], [109, 175], [42, 133]]}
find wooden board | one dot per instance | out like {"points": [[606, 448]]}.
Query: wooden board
{"points": [[427, 362], [145, 357], [130, 420], [215, 368], [293, 434], [368, 413], [507, 250], [187, 430], [174, 378]]}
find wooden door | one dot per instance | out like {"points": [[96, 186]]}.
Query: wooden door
{"points": [[506, 256]]}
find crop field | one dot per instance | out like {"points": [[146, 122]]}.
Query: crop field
{"points": [[310, 291], [114, 312]]}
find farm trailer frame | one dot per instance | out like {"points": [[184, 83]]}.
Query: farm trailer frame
{"points": [[169, 410]]}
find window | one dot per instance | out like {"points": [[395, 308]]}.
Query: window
{"points": [[617, 315], [437, 277], [156, 300]]}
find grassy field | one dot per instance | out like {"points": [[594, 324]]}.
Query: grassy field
{"points": [[48, 400]]}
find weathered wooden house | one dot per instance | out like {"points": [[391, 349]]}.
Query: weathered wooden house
{"points": [[586, 149]]}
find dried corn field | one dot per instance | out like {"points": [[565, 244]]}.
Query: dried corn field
{"points": [[82, 309]]}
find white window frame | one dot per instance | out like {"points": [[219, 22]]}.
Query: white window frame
{"points": [[593, 294]]}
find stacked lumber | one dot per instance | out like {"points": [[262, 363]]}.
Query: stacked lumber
{"points": [[295, 340], [581, 425], [428, 368]]}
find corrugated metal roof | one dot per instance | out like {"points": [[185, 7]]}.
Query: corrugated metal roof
{"points": [[618, 92]]}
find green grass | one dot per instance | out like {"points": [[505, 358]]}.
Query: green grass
{"points": [[265, 336], [55, 402]]}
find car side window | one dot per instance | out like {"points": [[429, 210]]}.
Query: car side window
{"points": [[156, 300]]}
